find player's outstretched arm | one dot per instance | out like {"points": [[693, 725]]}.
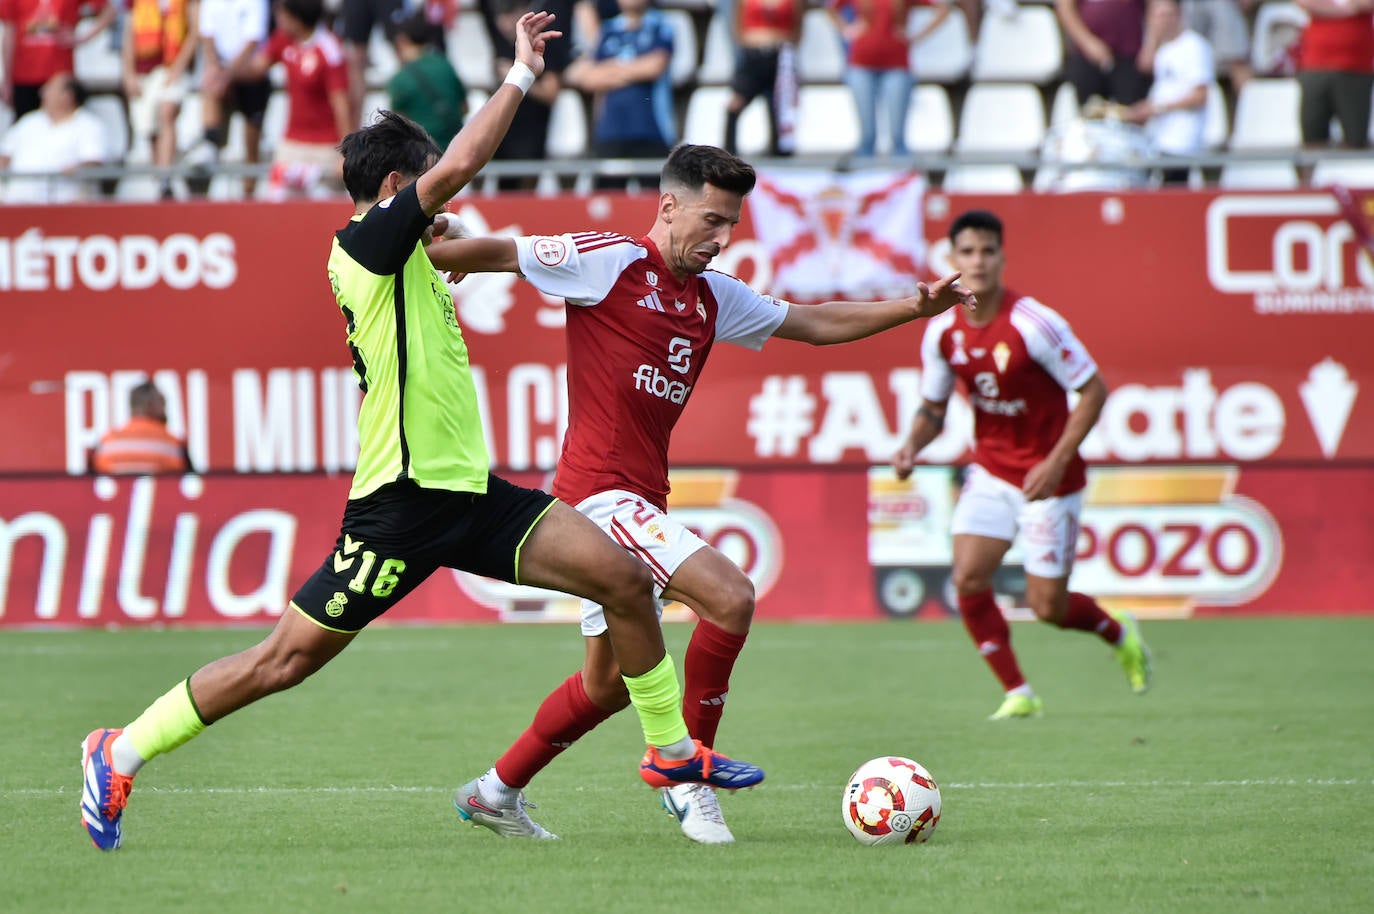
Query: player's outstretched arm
{"points": [[474, 145], [473, 255], [845, 321]]}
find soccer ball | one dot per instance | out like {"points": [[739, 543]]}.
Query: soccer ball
{"points": [[891, 800]]}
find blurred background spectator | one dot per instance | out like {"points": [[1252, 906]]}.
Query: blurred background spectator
{"points": [[766, 33], [1174, 114], [878, 69], [158, 51], [426, 88], [1336, 71], [628, 75], [357, 20], [143, 445], [230, 32], [587, 18], [1226, 27], [40, 38], [60, 136], [1105, 37]]}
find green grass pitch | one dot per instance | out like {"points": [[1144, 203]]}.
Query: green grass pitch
{"points": [[1243, 782]]}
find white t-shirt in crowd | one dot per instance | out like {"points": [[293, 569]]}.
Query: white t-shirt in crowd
{"points": [[38, 145], [231, 24], [1180, 67]]}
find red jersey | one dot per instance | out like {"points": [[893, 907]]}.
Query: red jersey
{"points": [[314, 68], [779, 15], [1017, 370], [45, 33], [1345, 45], [882, 45], [637, 341]]}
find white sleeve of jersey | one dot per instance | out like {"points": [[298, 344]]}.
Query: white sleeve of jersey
{"points": [[937, 378], [580, 269], [746, 317], [1051, 343]]}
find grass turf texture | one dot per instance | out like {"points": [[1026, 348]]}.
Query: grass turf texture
{"points": [[1242, 782]]}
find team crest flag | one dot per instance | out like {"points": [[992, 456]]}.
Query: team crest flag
{"points": [[840, 236]]}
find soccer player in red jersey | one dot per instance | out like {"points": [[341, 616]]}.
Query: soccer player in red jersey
{"points": [[643, 314], [1018, 360]]}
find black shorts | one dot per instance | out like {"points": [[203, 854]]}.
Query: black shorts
{"points": [[756, 73], [249, 99], [361, 16], [396, 537]]}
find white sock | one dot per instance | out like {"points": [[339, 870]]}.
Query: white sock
{"points": [[126, 759], [682, 749], [496, 791], [1024, 690]]}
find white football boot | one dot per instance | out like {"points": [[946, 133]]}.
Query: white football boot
{"points": [[698, 812], [508, 821]]}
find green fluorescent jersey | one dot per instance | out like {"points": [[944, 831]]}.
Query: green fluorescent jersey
{"points": [[419, 415]]}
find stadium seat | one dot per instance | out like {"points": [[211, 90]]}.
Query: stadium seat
{"points": [[1064, 108], [705, 121], [273, 123], [983, 179], [827, 121], [929, 122], [373, 101], [944, 57], [718, 52], [110, 110], [1001, 118], [381, 61], [683, 67], [1025, 47], [1356, 173], [567, 126], [1258, 176], [1217, 128], [1267, 115], [97, 64], [470, 51], [1277, 26], [820, 54]]}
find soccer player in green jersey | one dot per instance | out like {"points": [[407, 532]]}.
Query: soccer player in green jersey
{"points": [[422, 496]]}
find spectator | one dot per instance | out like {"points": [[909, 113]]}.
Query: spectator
{"points": [[307, 158], [157, 53], [59, 137], [528, 136], [628, 74], [143, 445], [767, 33], [1175, 113], [39, 41], [1224, 25], [1105, 38], [1336, 71], [879, 69], [426, 88], [587, 18], [230, 32], [357, 20]]}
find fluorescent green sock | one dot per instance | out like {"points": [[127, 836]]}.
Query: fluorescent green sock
{"points": [[657, 697], [170, 721]]}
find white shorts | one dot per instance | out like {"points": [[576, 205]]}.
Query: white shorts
{"points": [[993, 507], [154, 89], [643, 531]]}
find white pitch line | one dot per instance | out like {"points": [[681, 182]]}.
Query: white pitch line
{"points": [[944, 785]]}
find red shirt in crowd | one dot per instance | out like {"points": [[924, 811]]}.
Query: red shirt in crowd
{"points": [[1119, 23], [314, 68], [1345, 44], [882, 45], [45, 33]]}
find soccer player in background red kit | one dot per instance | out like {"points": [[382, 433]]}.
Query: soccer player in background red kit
{"points": [[643, 314], [1017, 359]]}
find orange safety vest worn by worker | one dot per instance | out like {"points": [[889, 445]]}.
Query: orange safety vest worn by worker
{"points": [[142, 446], [159, 31]]}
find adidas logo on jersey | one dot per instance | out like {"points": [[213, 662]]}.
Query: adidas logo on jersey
{"points": [[649, 378], [651, 301]]}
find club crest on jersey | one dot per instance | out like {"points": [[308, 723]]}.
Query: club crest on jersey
{"points": [[651, 278], [959, 356], [1001, 355], [550, 251], [680, 305]]}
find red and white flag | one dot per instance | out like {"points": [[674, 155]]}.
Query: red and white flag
{"points": [[854, 236]]}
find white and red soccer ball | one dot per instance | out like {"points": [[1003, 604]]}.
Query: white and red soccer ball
{"points": [[891, 800]]}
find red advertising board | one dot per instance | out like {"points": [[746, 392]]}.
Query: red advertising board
{"points": [[1231, 327], [818, 543]]}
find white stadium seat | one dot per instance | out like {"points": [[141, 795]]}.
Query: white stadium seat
{"points": [[374, 101], [470, 51], [983, 179], [820, 54], [944, 57], [97, 64], [1357, 173], [1064, 108], [718, 52], [567, 126], [929, 122], [1267, 115], [705, 121], [1217, 128], [1025, 47], [827, 121], [1001, 118], [381, 61], [110, 110], [1258, 176], [683, 66]]}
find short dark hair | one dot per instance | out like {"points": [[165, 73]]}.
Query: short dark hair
{"points": [[309, 12], [697, 166], [393, 142], [979, 220], [143, 397], [417, 28]]}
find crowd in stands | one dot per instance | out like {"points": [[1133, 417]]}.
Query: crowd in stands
{"points": [[191, 86]]}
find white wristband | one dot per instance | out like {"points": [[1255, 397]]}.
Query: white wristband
{"points": [[520, 76]]}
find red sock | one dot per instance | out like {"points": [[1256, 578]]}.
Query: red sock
{"points": [[1085, 615], [706, 670], [990, 632], [564, 716]]}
